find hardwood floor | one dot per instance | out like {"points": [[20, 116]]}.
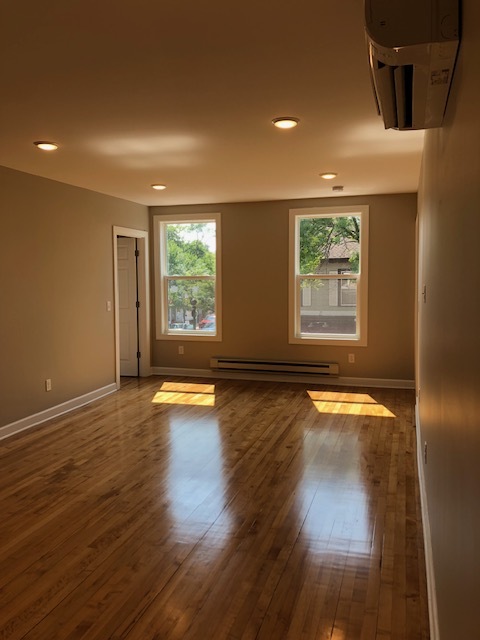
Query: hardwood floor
{"points": [[215, 510]]}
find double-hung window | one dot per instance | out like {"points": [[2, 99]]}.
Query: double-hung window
{"points": [[328, 275], [187, 268]]}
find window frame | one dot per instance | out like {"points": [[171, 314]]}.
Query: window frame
{"points": [[163, 332], [295, 335]]}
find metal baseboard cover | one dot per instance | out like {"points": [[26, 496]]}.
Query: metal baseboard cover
{"points": [[221, 363]]}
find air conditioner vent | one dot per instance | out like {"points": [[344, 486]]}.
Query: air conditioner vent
{"points": [[412, 57]]}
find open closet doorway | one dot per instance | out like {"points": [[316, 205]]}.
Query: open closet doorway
{"points": [[128, 306], [132, 308]]}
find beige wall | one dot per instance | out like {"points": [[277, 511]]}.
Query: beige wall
{"points": [[255, 288], [56, 276], [449, 343]]}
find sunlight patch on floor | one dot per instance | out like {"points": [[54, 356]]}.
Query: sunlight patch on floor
{"points": [[354, 404], [186, 393]]}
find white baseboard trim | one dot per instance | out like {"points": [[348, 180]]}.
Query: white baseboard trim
{"points": [[53, 412], [277, 377], [431, 588]]}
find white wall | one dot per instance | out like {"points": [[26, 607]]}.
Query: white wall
{"points": [[449, 342], [56, 265]]}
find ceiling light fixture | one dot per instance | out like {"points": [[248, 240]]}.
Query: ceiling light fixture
{"points": [[159, 187], [285, 122], [46, 146], [328, 175]]}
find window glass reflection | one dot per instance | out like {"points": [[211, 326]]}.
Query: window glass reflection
{"points": [[196, 484]]}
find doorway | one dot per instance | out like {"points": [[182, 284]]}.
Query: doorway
{"points": [[128, 306], [132, 304]]}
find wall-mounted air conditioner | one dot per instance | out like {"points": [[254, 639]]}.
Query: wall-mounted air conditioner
{"points": [[412, 46]]}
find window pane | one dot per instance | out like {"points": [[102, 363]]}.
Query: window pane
{"points": [[191, 305], [329, 244], [191, 249], [348, 293], [328, 285], [332, 308]]}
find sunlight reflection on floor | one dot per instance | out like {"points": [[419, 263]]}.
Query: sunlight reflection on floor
{"points": [[186, 393], [355, 404], [335, 481], [197, 489]]}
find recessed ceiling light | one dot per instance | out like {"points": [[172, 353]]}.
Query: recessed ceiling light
{"points": [[159, 187], [329, 175], [46, 146], [285, 122]]}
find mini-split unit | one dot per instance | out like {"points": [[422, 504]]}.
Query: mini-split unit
{"points": [[412, 47]]}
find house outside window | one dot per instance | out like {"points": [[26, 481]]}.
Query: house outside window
{"points": [[187, 277], [328, 275]]}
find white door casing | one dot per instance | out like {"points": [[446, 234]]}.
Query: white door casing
{"points": [[143, 297]]}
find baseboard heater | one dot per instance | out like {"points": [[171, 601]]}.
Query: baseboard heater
{"points": [[274, 366]]}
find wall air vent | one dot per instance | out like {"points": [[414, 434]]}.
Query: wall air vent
{"points": [[412, 47]]}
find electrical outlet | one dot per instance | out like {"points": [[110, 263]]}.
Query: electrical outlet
{"points": [[108, 305], [48, 384], [181, 350], [351, 358]]}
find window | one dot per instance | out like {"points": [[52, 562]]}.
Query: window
{"points": [[187, 270], [328, 276]]}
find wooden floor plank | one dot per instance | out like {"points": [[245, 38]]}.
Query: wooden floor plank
{"points": [[192, 509]]}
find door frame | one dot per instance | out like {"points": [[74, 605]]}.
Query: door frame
{"points": [[143, 297]]}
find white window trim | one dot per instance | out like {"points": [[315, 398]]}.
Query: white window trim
{"points": [[162, 331], [294, 336]]}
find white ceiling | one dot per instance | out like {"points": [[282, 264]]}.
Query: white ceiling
{"points": [[183, 92]]}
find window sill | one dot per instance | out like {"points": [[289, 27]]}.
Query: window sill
{"points": [[331, 341], [191, 337]]}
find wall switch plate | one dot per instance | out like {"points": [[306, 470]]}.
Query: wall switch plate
{"points": [[48, 384]]}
